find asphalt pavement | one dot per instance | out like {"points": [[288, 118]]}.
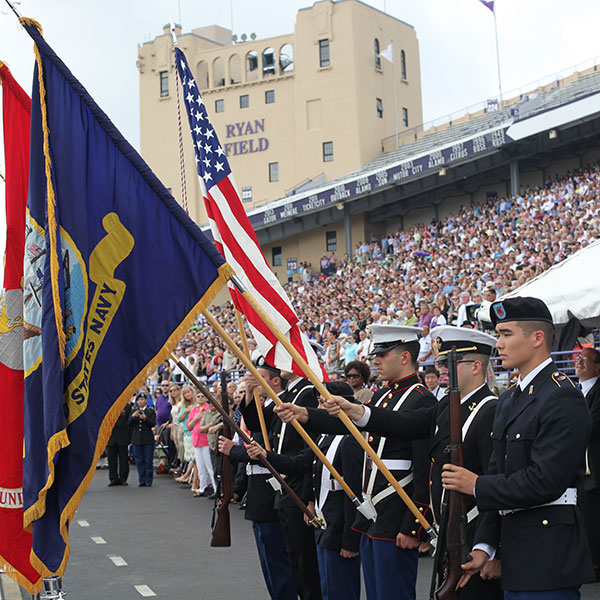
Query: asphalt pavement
{"points": [[129, 543]]}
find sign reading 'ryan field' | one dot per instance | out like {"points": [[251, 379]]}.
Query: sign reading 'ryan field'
{"points": [[248, 145]]}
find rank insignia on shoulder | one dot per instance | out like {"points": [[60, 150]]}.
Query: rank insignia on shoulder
{"points": [[560, 378], [472, 406]]}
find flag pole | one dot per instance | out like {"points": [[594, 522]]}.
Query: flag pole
{"points": [[315, 521], [395, 97], [361, 506], [259, 408], [342, 415], [498, 57]]}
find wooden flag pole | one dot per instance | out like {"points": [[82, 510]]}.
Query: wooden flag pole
{"points": [[342, 415], [259, 409], [267, 388]]}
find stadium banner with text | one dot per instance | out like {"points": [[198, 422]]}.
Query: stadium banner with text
{"points": [[115, 274], [15, 542]]}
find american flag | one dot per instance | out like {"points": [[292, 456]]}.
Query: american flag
{"points": [[236, 240]]}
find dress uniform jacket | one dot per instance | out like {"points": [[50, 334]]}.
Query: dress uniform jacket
{"points": [[338, 511], [260, 499], [592, 480], [434, 423], [121, 432], [141, 429], [539, 438], [392, 515], [285, 440]]}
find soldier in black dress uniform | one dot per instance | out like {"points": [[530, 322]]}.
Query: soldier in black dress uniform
{"points": [[478, 405], [285, 440], [389, 545], [528, 496], [337, 543], [260, 510]]}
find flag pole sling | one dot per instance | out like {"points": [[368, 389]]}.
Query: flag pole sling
{"points": [[259, 408], [342, 415], [267, 388], [314, 520]]}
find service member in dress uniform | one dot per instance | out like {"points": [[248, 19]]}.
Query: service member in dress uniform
{"points": [[337, 543], [528, 496], [478, 405], [141, 421], [389, 545], [285, 440], [260, 510]]}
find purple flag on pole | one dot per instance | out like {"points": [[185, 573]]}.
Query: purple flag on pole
{"points": [[488, 3]]}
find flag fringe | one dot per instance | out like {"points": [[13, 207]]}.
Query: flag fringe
{"points": [[32, 587], [106, 427], [30, 21], [51, 209], [59, 440]]}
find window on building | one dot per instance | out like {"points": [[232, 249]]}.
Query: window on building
{"points": [[327, 151], [276, 256], [274, 171], [331, 241], [324, 53], [268, 60], [379, 108], [164, 84], [405, 117], [244, 101], [219, 106], [377, 56], [270, 97], [402, 64]]}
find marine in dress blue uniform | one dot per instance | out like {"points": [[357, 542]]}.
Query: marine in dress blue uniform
{"points": [[285, 440], [528, 498], [390, 571]]}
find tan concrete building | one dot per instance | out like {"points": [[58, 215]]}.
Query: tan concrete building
{"points": [[290, 110]]}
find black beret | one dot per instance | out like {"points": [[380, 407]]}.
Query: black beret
{"points": [[261, 363], [520, 309], [340, 388]]}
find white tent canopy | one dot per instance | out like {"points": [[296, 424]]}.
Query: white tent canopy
{"points": [[571, 288]]}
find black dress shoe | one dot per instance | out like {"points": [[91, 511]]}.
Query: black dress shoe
{"points": [[141, 485], [113, 483], [124, 483]]}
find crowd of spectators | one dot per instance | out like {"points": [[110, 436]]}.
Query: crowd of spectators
{"points": [[423, 276]]}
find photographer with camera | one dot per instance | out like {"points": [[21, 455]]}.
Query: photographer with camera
{"points": [[141, 421]]}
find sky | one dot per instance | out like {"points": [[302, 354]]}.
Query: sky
{"points": [[98, 42]]}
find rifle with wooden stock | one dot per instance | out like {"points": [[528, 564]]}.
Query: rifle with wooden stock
{"points": [[221, 529], [452, 551]]}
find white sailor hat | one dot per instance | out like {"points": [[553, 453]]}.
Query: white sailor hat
{"points": [[386, 337], [464, 340]]}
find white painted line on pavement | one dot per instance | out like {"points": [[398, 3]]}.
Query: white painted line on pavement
{"points": [[118, 560], [97, 539], [83, 523], [144, 590]]}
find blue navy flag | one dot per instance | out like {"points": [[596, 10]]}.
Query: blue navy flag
{"points": [[115, 274]]}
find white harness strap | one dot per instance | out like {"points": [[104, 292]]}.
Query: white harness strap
{"points": [[374, 469], [326, 479], [283, 426]]}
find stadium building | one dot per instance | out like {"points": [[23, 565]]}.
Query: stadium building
{"points": [[321, 158]]}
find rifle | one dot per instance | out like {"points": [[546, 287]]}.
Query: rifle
{"points": [[221, 530], [314, 520], [456, 551]]}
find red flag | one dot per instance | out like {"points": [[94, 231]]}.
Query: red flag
{"points": [[15, 542], [236, 240]]}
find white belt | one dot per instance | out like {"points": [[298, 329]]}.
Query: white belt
{"points": [[388, 491], [397, 464], [334, 485], [257, 470], [568, 498]]}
